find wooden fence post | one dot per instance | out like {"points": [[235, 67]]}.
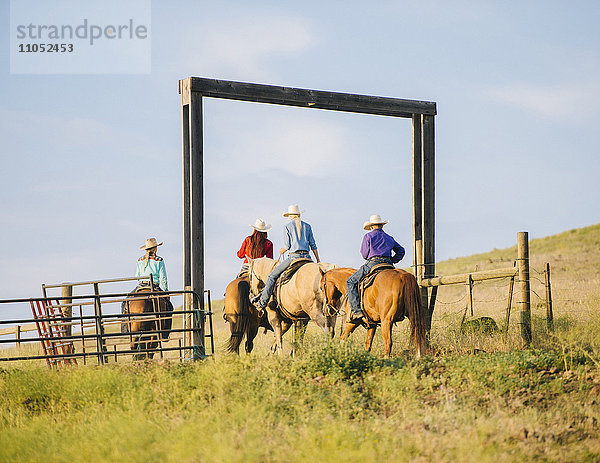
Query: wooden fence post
{"points": [[524, 288], [100, 343], [67, 311], [18, 335], [470, 293], [549, 314]]}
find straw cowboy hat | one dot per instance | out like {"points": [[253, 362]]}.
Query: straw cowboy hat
{"points": [[293, 210], [261, 226], [374, 220], [150, 243]]}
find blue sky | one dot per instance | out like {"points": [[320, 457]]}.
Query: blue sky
{"points": [[91, 164]]}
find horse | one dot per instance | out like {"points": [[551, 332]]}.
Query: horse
{"points": [[301, 297], [393, 296], [146, 339], [241, 315]]}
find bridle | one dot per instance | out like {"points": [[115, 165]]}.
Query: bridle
{"points": [[253, 274], [328, 308]]}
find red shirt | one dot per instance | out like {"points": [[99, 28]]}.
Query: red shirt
{"points": [[268, 251]]}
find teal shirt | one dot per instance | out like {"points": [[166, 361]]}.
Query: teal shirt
{"points": [[156, 268]]}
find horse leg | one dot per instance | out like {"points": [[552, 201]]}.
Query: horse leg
{"points": [[386, 333], [322, 321], [285, 326], [370, 335], [331, 323], [250, 335], [348, 329], [299, 332], [275, 322], [152, 344]]}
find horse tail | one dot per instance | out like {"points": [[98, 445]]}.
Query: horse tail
{"points": [[166, 320], [417, 316], [237, 309]]}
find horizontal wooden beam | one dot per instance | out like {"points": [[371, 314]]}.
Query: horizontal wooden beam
{"points": [[317, 99], [475, 276]]}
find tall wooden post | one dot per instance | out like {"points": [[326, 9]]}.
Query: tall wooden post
{"points": [[423, 171], [197, 220], [417, 200], [429, 204], [524, 289], [185, 138], [193, 208], [417, 195]]}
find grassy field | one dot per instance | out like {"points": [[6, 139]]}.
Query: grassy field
{"points": [[479, 398]]}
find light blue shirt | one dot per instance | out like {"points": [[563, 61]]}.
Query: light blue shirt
{"points": [[156, 268], [293, 243]]}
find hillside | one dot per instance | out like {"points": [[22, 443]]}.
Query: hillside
{"points": [[575, 251]]}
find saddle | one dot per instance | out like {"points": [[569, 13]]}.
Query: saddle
{"points": [[369, 279], [291, 270], [283, 279]]}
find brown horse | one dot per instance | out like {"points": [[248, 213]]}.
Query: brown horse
{"points": [[241, 315], [393, 296], [144, 335]]}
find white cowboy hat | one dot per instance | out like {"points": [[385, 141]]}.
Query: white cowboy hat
{"points": [[150, 243], [374, 220], [293, 210], [261, 226]]}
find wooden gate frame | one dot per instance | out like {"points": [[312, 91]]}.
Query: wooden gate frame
{"points": [[422, 113]]}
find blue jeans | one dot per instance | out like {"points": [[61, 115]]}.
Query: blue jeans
{"points": [[276, 273], [352, 282]]}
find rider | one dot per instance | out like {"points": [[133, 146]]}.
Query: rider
{"points": [[377, 247], [256, 245], [298, 239], [150, 264]]}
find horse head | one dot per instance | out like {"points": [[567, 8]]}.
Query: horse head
{"points": [[258, 272]]}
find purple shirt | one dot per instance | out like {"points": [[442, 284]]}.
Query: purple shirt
{"points": [[378, 243]]}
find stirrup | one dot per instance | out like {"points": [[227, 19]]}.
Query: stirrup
{"points": [[356, 317]]}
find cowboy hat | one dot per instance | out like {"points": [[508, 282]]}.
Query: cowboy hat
{"points": [[150, 243], [293, 210], [374, 220], [261, 226]]}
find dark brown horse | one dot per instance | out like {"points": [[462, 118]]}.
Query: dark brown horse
{"points": [[393, 296], [241, 315], [145, 335]]}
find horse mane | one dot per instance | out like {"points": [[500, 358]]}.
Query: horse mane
{"points": [[325, 266]]}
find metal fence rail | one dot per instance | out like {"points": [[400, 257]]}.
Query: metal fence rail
{"points": [[92, 332]]}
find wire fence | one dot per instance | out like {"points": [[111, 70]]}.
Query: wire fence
{"points": [[567, 296]]}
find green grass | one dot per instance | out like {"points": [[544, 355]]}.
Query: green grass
{"points": [[332, 403], [478, 398]]}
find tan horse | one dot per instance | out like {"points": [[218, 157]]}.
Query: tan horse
{"points": [[241, 315], [301, 296], [393, 296], [144, 337]]}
